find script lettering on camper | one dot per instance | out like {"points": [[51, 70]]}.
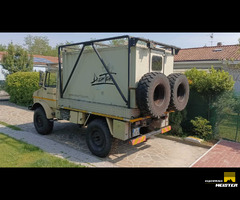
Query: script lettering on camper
{"points": [[102, 79]]}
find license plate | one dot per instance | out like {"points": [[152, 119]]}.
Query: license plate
{"points": [[135, 132]]}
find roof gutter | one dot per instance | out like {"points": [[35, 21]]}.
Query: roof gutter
{"points": [[208, 62], [198, 62]]}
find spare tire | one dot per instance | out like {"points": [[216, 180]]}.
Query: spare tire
{"points": [[179, 91], [153, 94]]}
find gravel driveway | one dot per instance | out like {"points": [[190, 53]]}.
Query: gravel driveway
{"points": [[156, 152]]}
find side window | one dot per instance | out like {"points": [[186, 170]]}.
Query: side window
{"points": [[157, 63], [51, 79]]}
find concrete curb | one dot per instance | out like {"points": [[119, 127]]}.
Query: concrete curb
{"points": [[204, 154], [4, 96], [56, 148], [185, 141]]}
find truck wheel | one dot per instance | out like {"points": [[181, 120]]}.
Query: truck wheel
{"points": [[179, 91], [153, 94], [43, 125], [99, 138]]}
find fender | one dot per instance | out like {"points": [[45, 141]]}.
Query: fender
{"points": [[48, 111]]}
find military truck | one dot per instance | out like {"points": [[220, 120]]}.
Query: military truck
{"points": [[120, 87]]}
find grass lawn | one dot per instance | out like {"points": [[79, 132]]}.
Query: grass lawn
{"points": [[15, 153]]}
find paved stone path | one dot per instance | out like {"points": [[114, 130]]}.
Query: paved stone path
{"points": [[223, 154], [155, 152]]}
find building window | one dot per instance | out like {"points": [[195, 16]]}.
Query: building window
{"points": [[157, 63]]}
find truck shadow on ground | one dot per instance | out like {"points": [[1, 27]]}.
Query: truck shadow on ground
{"points": [[122, 149]]}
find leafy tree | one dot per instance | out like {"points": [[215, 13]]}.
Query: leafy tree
{"points": [[118, 42], [39, 45], [3, 47], [16, 59]]}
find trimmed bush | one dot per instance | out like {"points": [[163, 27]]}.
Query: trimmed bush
{"points": [[202, 128], [21, 85]]}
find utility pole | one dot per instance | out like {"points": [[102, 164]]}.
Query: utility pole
{"points": [[211, 36]]}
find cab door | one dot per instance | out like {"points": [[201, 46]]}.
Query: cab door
{"points": [[49, 92]]}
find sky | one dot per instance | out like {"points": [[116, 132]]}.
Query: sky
{"points": [[181, 39]]}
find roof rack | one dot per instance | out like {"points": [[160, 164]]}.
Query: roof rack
{"points": [[132, 42]]}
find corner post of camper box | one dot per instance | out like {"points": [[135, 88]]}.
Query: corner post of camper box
{"points": [[129, 63], [60, 71]]}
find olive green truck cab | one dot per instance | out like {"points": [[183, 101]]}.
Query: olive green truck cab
{"points": [[121, 87]]}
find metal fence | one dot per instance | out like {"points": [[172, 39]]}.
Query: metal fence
{"points": [[223, 113]]}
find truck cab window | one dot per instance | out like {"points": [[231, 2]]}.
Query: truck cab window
{"points": [[51, 79], [156, 63]]}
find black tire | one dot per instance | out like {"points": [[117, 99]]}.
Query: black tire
{"points": [[153, 94], [179, 91], [99, 138], [43, 125]]}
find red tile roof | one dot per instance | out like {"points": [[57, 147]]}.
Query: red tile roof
{"points": [[209, 53]]}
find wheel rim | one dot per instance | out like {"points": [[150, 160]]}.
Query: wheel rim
{"points": [[181, 93], [159, 95], [97, 139], [39, 121]]}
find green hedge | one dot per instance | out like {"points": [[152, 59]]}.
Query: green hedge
{"points": [[21, 85]]}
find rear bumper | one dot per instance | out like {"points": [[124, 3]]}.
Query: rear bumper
{"points": [[144, 137]]}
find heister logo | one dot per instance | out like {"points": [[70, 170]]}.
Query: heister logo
{"points": [[229, 180]]}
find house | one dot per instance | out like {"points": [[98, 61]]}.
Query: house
{"points": [[224, 57], [205, 57], [39, 63]]}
